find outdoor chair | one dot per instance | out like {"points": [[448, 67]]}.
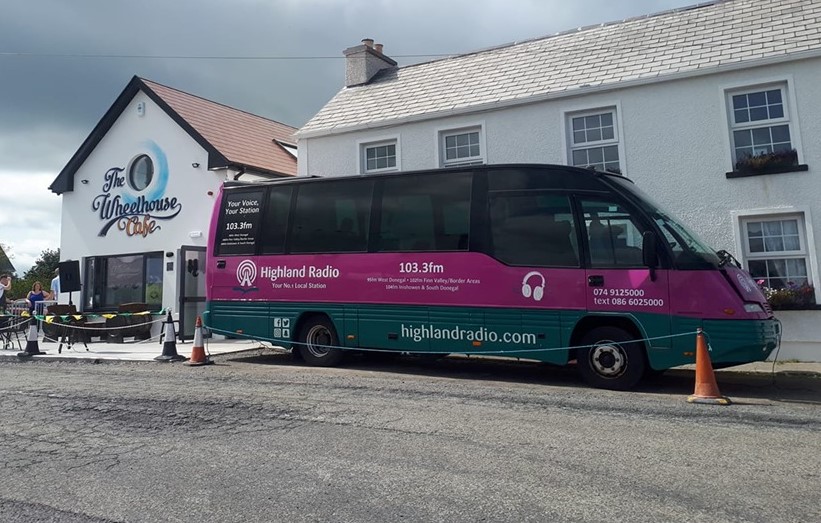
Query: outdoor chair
{"points": [[10, 326], [66, 327], [124, 326]]}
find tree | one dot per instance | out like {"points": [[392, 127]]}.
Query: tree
{"points": [[43, 268], [42, 271]]}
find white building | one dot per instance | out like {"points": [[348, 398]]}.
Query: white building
{"points": [[688, 103], [139, 192]]}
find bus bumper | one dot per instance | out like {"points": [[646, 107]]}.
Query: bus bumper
{"points": [[734, 342]]}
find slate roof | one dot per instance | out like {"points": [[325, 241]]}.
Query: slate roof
{"points": [[687, 41], [232, 138]]}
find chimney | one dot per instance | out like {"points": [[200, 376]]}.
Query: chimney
{"points": [[363, 62]]}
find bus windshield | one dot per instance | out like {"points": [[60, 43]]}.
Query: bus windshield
{"points": [[689, 251]]}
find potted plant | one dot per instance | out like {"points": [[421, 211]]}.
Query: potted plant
{"points": [[767, 162], [792, 297]]}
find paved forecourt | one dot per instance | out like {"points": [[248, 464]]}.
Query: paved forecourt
{"points": [[126, 351]]}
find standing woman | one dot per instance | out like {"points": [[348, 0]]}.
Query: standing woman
{"points": [[5, 285], [36, 294]]}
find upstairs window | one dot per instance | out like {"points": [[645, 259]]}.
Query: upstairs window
{"points": [[753, 117], [760, 129], [594, 140], [379, 157], [462, 147]]}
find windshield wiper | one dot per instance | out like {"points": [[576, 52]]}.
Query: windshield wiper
{"points": [[725, 258]]}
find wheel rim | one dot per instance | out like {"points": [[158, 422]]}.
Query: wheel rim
{"points": [[318, 340], [608, 359]]}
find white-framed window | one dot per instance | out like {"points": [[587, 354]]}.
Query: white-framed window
{"points": [[775, 249], [593, 140], [759, 121], [461, 147], [379, 156]]}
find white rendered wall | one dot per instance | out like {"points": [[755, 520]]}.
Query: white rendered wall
{"points": [[675, 144], [126, 140]]}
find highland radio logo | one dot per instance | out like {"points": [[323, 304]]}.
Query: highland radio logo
{"points": [[246, 276]]}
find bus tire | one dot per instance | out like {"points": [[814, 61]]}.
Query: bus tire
{"points": [[606, 361], [316, 336]]}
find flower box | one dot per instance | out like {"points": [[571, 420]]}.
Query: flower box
{"points": [[768, 163], [792, 297]]}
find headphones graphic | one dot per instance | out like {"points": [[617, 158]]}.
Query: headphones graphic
{"points": [[538, 291]]}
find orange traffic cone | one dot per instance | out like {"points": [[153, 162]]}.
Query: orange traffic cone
{"points": [[706, 386], [198, 356]]}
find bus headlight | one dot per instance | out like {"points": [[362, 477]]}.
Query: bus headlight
{"points": [[753, 307]]}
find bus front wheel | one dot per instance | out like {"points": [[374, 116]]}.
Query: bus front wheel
{"points": [[609, 360], [318, 340]]}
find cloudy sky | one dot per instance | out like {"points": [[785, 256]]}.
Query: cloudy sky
{"points": [[63, 63]]}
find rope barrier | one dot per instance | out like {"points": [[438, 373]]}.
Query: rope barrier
{"points": [[106, 315], [152, 339], [516, 351], [104, 329], [49, 320], [14, 326]]}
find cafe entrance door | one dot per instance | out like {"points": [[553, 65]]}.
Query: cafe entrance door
{"points": [[191, 289]]}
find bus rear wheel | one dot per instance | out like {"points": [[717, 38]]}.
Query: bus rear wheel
{"points": [[317, 339], [608, 360]]}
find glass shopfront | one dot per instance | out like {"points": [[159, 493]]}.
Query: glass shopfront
{"points": [[114, 280]]}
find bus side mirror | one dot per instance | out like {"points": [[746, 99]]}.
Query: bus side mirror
{"points": [[649, 252]]}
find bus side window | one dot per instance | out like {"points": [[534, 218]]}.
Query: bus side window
{"points": [[331, 217], [239, 228], [533, 229], [275, 220], [425, 213], [613, 236], [407, 223]]}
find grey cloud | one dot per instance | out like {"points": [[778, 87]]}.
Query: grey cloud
{"points": [[49, 104]]}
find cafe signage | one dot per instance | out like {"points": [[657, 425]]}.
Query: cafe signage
{"points": [[134, 199]]}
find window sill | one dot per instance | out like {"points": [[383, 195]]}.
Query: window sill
{"points": [[774, 170]]}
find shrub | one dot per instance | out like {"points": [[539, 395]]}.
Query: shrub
{"points": [[767, 161], [793, 296]]}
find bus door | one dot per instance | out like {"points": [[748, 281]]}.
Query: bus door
{"points": [[617, 280], [534, 234]]}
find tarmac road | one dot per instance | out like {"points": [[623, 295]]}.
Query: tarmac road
{"points": [[258, 437]]}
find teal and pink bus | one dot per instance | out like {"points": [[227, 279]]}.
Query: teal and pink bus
{"points": [[542, 262]]}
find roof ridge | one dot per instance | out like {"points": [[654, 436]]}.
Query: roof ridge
{"points": [[147, 81], [707, 38], [579, 29]]}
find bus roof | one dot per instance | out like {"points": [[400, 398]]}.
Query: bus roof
{"points": [[474, 168]]}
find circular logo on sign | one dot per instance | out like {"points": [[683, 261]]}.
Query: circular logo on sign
{"points": [[246, 273]]}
